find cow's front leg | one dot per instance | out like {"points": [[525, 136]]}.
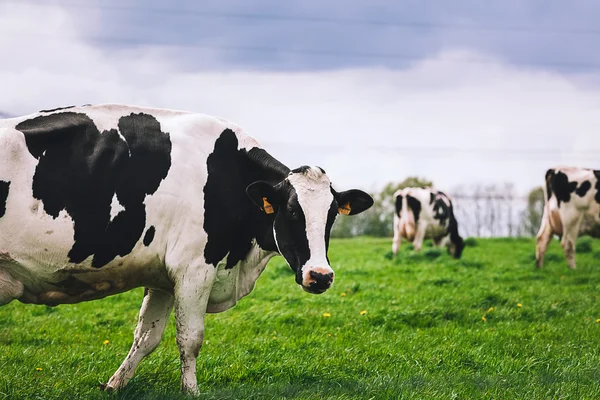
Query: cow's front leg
{"points": [[191, 299], [154, 314]]}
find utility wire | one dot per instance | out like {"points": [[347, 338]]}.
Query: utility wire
{"points": [[323, 19], [303, 52]]}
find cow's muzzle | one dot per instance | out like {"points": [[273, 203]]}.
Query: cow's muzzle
{"points": [[317, 280]]}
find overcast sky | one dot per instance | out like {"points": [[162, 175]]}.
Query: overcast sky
{"points": [[460, 91]]}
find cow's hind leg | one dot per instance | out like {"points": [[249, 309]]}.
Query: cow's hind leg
{"points": [[543, 239], [568, 241], [10, 288], [397, 235], [154, 314], [419, 236]]}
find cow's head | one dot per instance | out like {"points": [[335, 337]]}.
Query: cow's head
{"points": [[457, 245], [303, 207]]}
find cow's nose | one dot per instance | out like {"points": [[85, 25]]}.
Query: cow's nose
{"points": [[320, 282]]}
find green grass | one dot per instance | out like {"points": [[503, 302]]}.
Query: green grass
{"points": [[423, 335]]}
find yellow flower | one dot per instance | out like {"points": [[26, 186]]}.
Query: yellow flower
{"points": [[519, 305], [106, 342], [38, 369], [491, 309], [562, 277], [326, 315], [329, 335], [598, 320], [483, 318], [363, 312], [274, 337], [343, 294]]}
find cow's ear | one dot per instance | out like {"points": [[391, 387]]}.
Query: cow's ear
{"points": [[353, 201], [263, 195]]}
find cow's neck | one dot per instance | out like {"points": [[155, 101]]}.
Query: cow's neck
{"points": [[264, 167]]}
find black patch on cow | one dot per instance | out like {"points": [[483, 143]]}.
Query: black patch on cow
{"points": [[290, 224], [441, 211], [398, 204], [583, 188], [149, 236], [431, 197], [80, 169], [4, 186], [300, 170], [597, 186], [548, 178], [56, 109], [455, 238], [557, 183], [414, 205], [230, 218]]}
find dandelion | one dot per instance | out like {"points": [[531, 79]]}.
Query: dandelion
{"points": [[329, 335], [519, 305], [363, 312], [598, 320], [274, 337], [343, 294], [491, 309], [483, 318], [38, 369], [562, 278], [106, 342], [326, 315]]}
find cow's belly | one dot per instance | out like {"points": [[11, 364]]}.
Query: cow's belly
{"points": [[66, 284], [36, 257], [435, 231]]}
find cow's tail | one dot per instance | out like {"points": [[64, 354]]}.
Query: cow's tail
{"points": [[551, 214]]}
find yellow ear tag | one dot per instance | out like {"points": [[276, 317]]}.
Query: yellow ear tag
{"points": [[345, 209], [267, 207]]}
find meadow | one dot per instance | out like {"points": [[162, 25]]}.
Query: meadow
{"points": [[420, 326]]}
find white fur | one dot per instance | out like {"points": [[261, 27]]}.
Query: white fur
{"points": [[315, 198], [565, 220]]}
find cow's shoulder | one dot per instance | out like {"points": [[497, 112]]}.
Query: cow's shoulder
{"points": [[231, 220]]}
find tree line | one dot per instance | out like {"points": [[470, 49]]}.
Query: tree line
{"points": [[481, 210]]}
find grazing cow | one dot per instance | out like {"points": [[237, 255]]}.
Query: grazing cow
{"points": [[424, 213], [99, 200], [570, 194]]}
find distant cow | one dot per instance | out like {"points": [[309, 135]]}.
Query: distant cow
{"points": [[421, 213], [99, 200], [570, 194]]}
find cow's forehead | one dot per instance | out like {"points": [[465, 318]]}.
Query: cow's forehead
{"points": [[309, 182]]}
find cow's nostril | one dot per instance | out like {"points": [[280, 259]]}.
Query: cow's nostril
{"points": [[321, 280]]}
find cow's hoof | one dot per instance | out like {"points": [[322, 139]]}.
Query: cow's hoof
{"points": [[105, 388]]}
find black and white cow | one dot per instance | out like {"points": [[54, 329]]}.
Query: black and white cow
{"points": [[570, 194], [98, 200], [421, 213]]}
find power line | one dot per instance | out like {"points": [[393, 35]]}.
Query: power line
{"points": [[450, 151], [327, 20], [303, 52]]}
